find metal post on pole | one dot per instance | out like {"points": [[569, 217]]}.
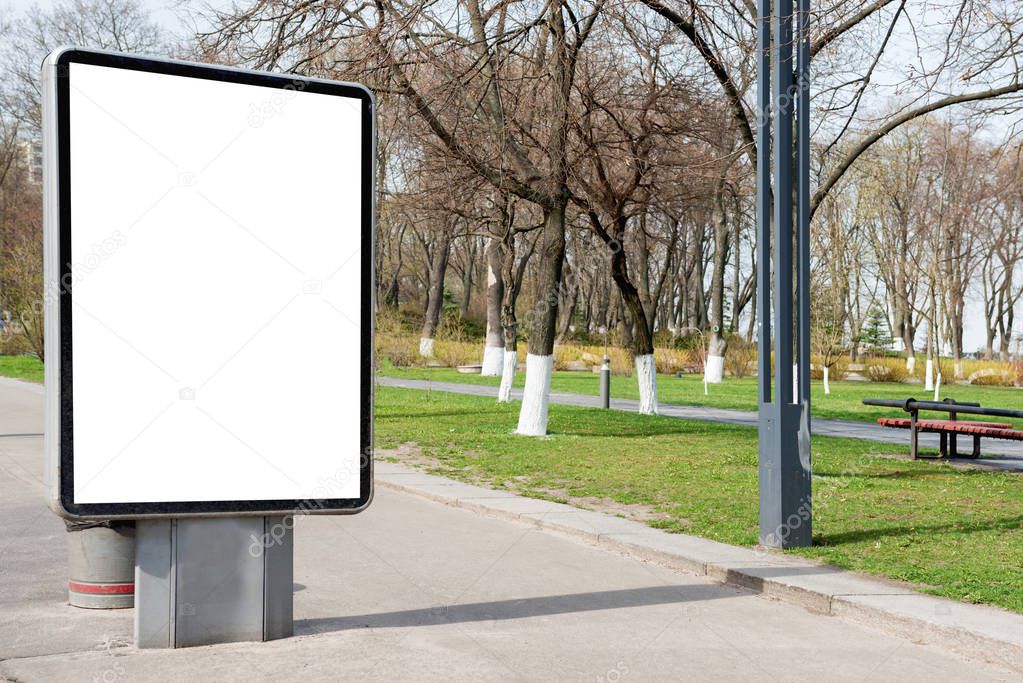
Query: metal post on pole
{"points": [[803, 203], [763, 214], [784, 466], [605, 383]]}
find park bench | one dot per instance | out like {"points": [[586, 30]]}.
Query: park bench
{"points": [[949, 429]]}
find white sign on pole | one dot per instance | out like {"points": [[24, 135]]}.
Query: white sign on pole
{"points": [[209, 289]]}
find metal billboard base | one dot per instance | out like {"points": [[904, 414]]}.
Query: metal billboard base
{"points": [[200, 581]]}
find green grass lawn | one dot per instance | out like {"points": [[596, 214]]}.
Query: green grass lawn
{"points": [[953, 532], [22, 367], [844, 402]]}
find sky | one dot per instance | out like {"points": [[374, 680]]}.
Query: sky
{"points": [[162, 11]]}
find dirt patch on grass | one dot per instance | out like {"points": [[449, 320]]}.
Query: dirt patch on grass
{"points": [[411, 454], [633, 511], [407, 454]]}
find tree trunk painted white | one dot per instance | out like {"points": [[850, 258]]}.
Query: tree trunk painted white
{"points": [[507, 377], [937, 387], [795, 383], [493, 357], [957, 368], [911, 363], [929, 375], [646, 376], [493, 347], [827, 387], [536, 395], [426, 347], [715, 370]]}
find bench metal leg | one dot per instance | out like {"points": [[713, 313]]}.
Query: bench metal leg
{"points": [[953, 452], [943, 444], [976, 446], [914, 436]]}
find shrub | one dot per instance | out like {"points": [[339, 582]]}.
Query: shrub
{"points": [[839, 368], [944, 366], [739, 357], [393, 341], [565, 354], [886, 369], [453, 352], [15, 345], [990, 372], [994, 379], [621, 358], [663, 338], [1016, 368], [994, 375], [691, 341], [400, 350], [669, 361], [696, 361], [816, 369]]}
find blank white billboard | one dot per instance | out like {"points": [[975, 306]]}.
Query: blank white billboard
{"points": [[213, 238]]}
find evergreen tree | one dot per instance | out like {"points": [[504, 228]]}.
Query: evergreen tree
{"points": [[876, 334]]}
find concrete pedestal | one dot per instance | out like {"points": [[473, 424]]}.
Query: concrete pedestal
{"points": [[216, 580]]}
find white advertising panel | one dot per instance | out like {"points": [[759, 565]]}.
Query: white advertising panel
{"points": [[209, 289]]}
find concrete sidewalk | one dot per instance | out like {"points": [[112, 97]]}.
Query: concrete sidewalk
{"points": [[416, 589], [1010, 453]]}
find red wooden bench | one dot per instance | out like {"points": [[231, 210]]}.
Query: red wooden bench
{"points": [[949, 429]]}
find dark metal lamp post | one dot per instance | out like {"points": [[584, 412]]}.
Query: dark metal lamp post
{"points": [[784, 425]]}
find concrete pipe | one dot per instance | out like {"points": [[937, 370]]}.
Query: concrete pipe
{"points": [[101, 564]]}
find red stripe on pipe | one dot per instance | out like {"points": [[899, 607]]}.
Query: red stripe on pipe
{"points": [[102, 589]]}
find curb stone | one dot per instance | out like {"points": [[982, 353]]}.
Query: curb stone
{"points": [[978, 632]]}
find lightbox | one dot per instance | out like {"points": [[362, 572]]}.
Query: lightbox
{"points": [[208, 289]]}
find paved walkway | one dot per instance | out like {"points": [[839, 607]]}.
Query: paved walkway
{"points": [[1010, 454], [414, 589]]}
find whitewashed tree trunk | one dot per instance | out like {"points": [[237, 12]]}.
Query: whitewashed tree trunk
{"points": [[827, 386], [493, 357], [646, 376], [715, 370], [911, 363], [929, 375], [536, 395], [493, 349], [426, 347], [937, 387], [435, 296], [507, 377], [795, 383]]}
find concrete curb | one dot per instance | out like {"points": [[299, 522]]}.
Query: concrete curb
{"points": [[977, 632]]}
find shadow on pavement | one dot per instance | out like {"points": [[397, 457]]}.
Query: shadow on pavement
{"points": [[519, 609]]}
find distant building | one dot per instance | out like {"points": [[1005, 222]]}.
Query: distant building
{"points": [[32, 158]]}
